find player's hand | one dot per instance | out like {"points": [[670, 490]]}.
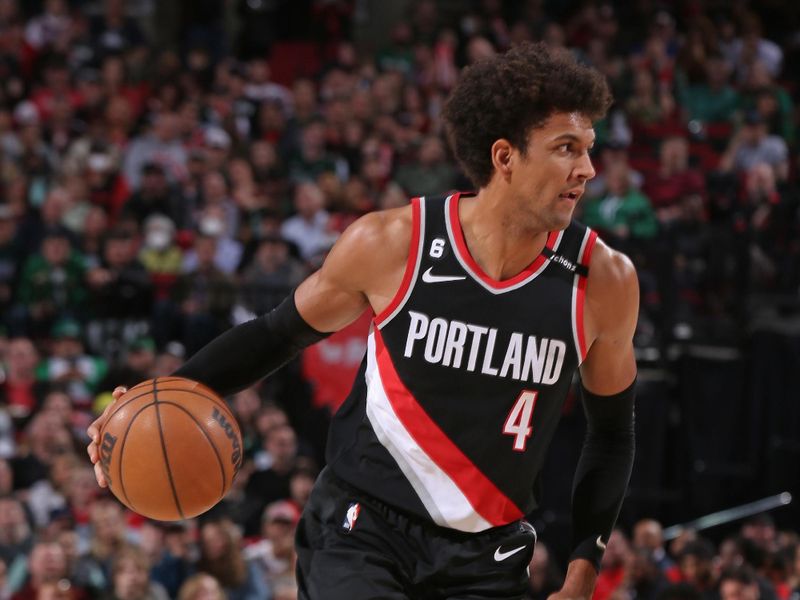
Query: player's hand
{"points": [[94, 437]]}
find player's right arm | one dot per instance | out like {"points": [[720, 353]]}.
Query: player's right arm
{"points": [[364, 269]]}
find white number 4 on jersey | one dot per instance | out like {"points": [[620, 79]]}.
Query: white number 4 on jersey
{"points": [[518, 422]]}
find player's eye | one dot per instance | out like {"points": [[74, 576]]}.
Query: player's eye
{"points": [[564, 148]]}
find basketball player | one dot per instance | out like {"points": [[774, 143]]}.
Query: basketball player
{"points": [[485, 304]]}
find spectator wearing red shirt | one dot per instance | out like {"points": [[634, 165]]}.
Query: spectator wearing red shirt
{"points": [[674, 180]]}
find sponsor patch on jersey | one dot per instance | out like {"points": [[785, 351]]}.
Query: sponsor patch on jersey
{"points": [[351, 517]]}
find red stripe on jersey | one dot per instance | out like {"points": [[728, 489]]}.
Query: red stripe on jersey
{"points": [[463, 250], [584, 259], [411, 263], [484, 496]]}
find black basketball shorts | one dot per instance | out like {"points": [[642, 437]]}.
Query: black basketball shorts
{"points": [[353, 547]]}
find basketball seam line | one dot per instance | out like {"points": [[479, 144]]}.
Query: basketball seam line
{"points": [[122, 452], [164, 450], [210, 442], [221, 402]]}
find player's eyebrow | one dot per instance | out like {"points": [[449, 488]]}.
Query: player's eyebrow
{"points": [[573, 138]]}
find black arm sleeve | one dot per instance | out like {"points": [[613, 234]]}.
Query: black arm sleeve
{"points": [[250, 351], [603, 471]]}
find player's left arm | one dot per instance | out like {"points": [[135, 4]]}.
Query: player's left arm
{"points": [[608, 374]]}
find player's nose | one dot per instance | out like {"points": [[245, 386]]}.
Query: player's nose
{"points": [[584, 170]]}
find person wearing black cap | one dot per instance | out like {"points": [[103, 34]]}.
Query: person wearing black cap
{"points": [[155, 196]]}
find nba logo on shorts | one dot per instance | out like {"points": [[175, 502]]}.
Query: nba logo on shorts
{"points": [[351, 517]]}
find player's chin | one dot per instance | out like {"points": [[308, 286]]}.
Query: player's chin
{"points": [[561, 218]]}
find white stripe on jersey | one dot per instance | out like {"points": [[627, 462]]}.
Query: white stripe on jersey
{"points": [[439, 494]]}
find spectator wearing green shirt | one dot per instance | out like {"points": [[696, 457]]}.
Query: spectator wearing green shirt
{"points": [[623, 212], [714, 101], [52, 283]]}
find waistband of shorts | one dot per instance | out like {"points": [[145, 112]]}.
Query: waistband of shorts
{"points": [[331, 478]]}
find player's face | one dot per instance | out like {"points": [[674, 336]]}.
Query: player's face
{"points": [[552, 176]]}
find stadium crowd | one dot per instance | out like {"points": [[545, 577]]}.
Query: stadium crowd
{"points": [[151, 197]]}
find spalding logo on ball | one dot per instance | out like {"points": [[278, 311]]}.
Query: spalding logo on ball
{"points": [[170, 449]]}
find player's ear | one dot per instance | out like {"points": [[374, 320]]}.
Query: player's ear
{"points": [[502, 156]]}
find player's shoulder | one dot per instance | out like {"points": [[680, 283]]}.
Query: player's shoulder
{"points": [[612, 291], [384, 232], [611, 271]]}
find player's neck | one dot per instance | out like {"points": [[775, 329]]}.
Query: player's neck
{"points": [[494, 236]]}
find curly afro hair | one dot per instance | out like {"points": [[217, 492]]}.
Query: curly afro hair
{"points": [[510, 94]]}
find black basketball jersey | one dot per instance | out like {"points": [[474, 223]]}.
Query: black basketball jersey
{"points": [[465, 377]]}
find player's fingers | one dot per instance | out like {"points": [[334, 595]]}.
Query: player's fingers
{"points": [[98, 474], [118, 391], [94, 455], [93, 431]]}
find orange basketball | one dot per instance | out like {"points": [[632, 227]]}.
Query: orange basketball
{"points": [[170, 448]]}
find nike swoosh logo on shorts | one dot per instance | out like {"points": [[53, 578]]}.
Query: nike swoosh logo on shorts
{"points": [[600, 543], [501, 556], [429, 277]]}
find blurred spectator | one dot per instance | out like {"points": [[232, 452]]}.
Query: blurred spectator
{"points": [[695, 565], [221, 557], [51, 27], [624, 212], [227, 250], [113, 31], [673, 181], [156, 196], [51, 284], [160, 145], [272, 483], [47, 569], [204, 297], [139, 363], [308, 229], [772, 102], [270, 276], [201, 587], [21, 391], [648, 535], [738, 584], [260, 88], [108, 537], [430, 173], [643, 578], [70, 365], [275, 551], [160, 255], [120, 287], [612, 566], [545, 577], [300, 485], [167, 547], [48, 495], [129, 575], [751, 47], [16, 537], [713, 100], [753, 145], [46, 438]]}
